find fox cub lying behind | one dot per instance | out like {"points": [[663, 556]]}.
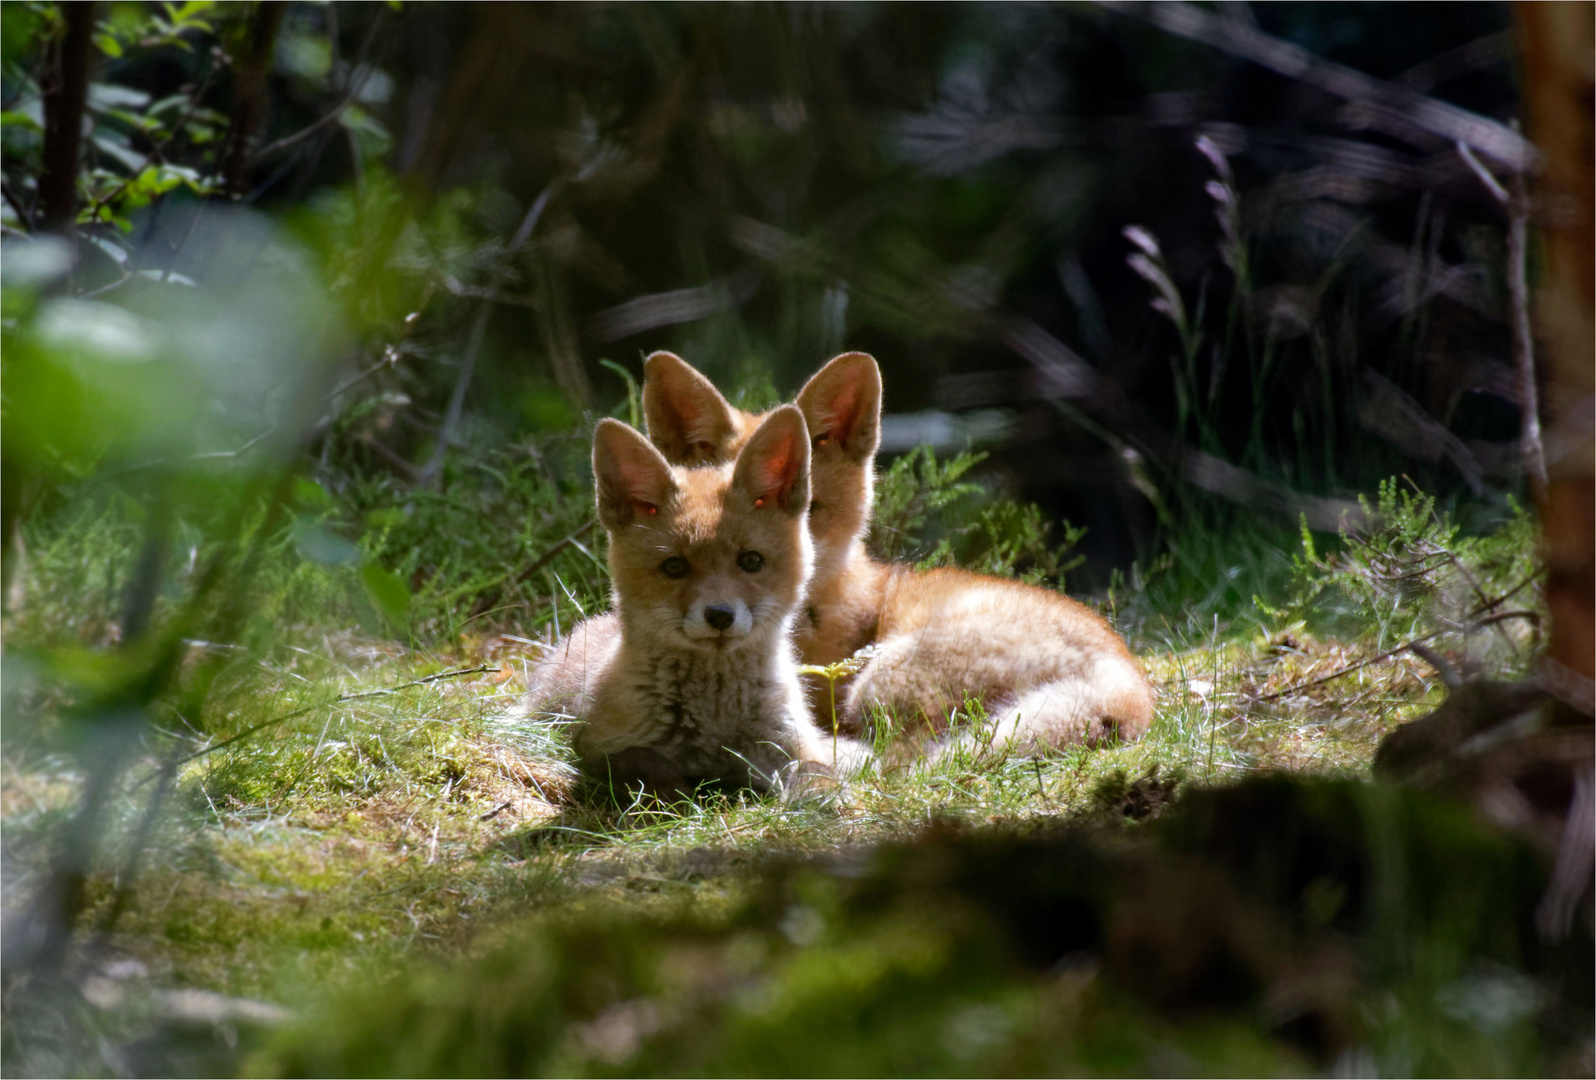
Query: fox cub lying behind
{"points": [[692, 677], [1049, 670]]}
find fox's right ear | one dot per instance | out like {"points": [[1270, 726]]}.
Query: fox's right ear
{"points": [[687, 417], [842, 405], [634, 481]]}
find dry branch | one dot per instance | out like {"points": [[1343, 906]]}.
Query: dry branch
{"points": [[1437, 117]]}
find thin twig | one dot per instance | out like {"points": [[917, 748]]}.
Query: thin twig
{"points": [[1492, 184], [485, 604], [479, 330], [359, 74], [390, 353], [1489, 620], [548, 556], [1517, 205], [497, 810], [1480, 593], [1518, 212], [209, 455], [16, 204], [274, 721], [471, 292], [304, 133]]}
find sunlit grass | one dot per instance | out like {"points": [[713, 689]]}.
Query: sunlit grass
{"points": [[348, 803], [406, 818]]}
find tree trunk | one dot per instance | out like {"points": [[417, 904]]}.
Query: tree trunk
{"points": [[249, 104], [1556, 40], [65, 96]]}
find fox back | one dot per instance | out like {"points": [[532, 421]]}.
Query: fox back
{"points": [[692, 677]]}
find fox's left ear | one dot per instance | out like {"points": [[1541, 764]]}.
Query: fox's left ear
{"points": [[773, 469], [687, 417], [842, 404]]}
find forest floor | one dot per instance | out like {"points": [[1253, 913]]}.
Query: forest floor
{"points": [[358, 812], [375, 804]]}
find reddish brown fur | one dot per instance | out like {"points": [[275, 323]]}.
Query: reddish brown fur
{"points": [[692, 677], [1046, 666]]}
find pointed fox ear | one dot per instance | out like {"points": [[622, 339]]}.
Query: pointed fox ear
{"points": [[687, 417], [842, 404], [634, 481], [773, 469]]}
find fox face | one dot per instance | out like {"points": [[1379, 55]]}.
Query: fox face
{"points": [[692, 424], [713, 558]]}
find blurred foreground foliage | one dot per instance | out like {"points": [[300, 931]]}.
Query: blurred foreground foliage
{"points": [[1272, 928]]}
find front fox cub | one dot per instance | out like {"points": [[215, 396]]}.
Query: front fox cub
{"points": [[1049, 670], [691, 677]]}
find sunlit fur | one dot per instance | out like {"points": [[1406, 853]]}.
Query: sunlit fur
{"points": [[665, 692], [1047, 669]]}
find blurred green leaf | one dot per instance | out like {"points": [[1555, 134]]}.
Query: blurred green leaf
{"points": [[387, 591], [104, 96], [19, 29], [315, 542], [310, 495], [103, 331], [31, 263], [15, 118]]}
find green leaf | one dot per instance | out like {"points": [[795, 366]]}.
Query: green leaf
{"points": [[387, 591], [13, 118], [311, 495], [117, 253], [116, 145], [108, 45], [112, 96], [189, 9], [316, 544]]}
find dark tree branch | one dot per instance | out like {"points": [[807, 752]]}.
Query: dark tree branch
{"points": [[1437, 117], [65, 98], [16, 204], [249, 107]]}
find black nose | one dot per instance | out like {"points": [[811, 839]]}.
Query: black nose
{"points": [[719, 616]]}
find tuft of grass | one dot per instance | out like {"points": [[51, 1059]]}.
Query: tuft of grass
{"points": [[929, 514]]}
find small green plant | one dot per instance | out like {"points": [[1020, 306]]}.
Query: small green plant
{"points": [[929, 514], [1410, 570]]}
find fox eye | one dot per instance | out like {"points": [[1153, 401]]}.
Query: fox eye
{"points": [[813, 506], [674, 567], [751, 561]]}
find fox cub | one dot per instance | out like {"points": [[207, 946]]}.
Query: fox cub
{"points": [[1048, 670], [691, 676]]}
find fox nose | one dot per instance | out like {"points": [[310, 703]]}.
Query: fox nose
{"points": [[719, 616]]}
